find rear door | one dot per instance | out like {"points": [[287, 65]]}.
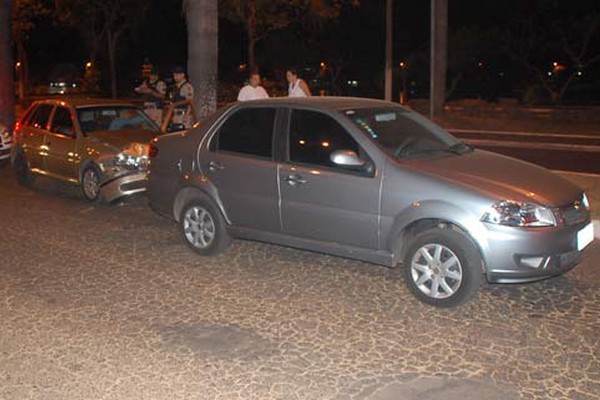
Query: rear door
{"points": [[239, 162], [320, 200], [34, 133], [61, 141]]}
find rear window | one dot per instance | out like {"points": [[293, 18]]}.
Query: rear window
{"points": [[40, 116]]}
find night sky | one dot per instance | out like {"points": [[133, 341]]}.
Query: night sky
{"points": [[162, 39]]}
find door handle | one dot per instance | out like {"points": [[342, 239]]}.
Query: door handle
{"points": [[294, 180], [215, 166]]}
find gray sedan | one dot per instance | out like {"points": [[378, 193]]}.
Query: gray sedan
{"points": [[373, 181]]}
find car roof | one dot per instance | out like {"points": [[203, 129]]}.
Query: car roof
{"points": [[84, 101], [325, 102]]}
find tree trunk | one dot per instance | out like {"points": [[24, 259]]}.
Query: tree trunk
{"points": [[111, 38], [23, 71], [251, 31], [7, 84], [202, 17], [439, 45]]}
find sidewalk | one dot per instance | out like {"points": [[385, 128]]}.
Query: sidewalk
{"points": [[476, 114]]}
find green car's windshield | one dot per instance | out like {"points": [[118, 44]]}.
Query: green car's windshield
{"points": [[114, 118], [405, 133]]}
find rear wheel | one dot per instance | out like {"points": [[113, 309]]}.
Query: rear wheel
{"points": [[90, 183], [24, 175], [442, 267], [203, 228]]}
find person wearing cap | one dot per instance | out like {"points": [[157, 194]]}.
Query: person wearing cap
{"points": [[153, 87], [154, 90], [183, 90], [253, 90]]}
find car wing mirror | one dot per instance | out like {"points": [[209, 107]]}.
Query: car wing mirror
{"points": [[346, 158]]}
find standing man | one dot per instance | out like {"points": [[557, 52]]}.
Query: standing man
{"points": [[154, 91], [183, 90], [253, 90], [154, 88]]}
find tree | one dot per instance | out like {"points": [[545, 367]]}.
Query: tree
{"points": [[104, 21], [261, 17], [555, 50], [203, 48], [7, 91], [25, 14]]}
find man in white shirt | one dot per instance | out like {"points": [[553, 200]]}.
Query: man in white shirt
{"points": [[253, 90]]}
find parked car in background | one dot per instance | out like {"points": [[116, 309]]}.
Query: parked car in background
{"points": [[101, 145], [369, 180], [5, 142]]}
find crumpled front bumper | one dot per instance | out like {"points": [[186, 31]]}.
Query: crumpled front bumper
{"points": [[5, 145], [123, 185]]}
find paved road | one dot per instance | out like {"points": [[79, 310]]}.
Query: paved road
{"points": [[104, 302], [562, 152]]}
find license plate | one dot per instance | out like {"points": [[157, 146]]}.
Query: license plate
{"points": [[585, 236]]}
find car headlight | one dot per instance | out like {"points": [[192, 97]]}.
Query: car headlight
{"points": [[5, 135], [515, 213], [131, 161]]}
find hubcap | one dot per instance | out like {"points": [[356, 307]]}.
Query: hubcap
{"points": [[199, 227], [90, 184], [436, 271]]}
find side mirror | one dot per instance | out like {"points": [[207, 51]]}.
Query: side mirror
{"points": [[350, 160], [346, 158]]}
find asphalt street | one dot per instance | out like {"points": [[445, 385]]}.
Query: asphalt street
{"points": [[105, 302]]}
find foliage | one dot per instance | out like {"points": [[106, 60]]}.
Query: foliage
{"points": [[555, 50], [261, 17], [103, 21], [25, 14]]}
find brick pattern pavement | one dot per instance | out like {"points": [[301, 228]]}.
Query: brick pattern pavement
{"points": [[105, 302]]}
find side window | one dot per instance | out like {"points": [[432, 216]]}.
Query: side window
{"points": [[62, 122], [314, 136], [248, 131], [40, 116]]}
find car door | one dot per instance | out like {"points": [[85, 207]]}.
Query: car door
{"points": [[34, 133], [61, 142], [239, 163], [320, 200]]}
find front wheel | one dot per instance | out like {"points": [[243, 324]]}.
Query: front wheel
{"points": [[203, 227], [442, 267], [90, 183]]}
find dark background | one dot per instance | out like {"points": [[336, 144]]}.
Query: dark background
{"points": [[353, 46]]}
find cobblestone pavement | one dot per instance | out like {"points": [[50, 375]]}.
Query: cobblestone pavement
{"points": [[105, 302]]}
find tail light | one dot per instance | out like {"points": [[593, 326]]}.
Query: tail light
{"points": [[152, 151]]}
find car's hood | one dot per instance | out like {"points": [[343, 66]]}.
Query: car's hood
{"points": [[121, 139], [502, 177]]}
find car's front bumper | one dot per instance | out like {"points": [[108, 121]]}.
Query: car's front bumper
{"points": [[516, 255], [123, 185], [5, 145]]}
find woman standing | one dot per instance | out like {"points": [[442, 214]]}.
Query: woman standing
{"points": [[296, 86]]}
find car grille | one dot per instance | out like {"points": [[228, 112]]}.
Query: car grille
{"points": [[572, 214]]}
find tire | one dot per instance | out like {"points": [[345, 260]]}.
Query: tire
{"points": [[203, 228], [442, 267], [21, 166], [90, 183]]}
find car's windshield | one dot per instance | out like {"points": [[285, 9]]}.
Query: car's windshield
{"points": [[113, 118], [404, 133]]}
